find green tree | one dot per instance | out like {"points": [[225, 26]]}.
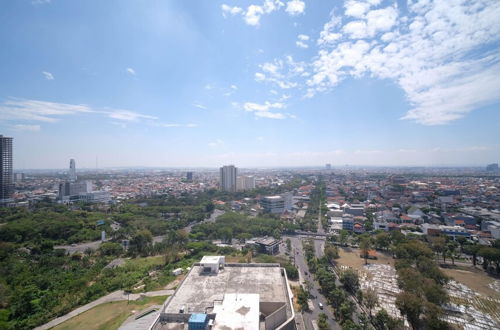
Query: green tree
{"points": [[411, 306], [323, 322], [350, 280], [370, 299], [382, 241], [344, 235], [383, 321]]}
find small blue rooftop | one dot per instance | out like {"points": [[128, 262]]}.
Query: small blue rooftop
{"points": [[198, 318]]}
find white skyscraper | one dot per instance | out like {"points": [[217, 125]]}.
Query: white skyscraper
{"points": [[72, 170], [228, 175]]}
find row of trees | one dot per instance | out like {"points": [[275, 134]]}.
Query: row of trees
{"points": [[422, 284]]}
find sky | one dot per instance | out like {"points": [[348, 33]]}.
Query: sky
{"points": [[253, 83]]}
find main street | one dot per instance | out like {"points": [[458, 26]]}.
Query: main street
{"points": [[317, 297]]}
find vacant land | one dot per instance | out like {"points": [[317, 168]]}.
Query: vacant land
{"points": [[350, 257], [110, 315], [474, 278]]}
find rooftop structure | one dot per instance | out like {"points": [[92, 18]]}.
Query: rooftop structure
{"points": [[232, 296]]}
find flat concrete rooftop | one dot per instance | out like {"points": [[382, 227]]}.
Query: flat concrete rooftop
{"points": [[198, 292]]}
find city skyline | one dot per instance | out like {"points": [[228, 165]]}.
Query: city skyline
{"points": [[254, 83]]}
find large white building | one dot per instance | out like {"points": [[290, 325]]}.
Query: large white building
{"points": [[228, 174], [220, 296], [277, 204], [245, 183]]}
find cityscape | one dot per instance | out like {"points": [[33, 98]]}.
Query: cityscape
{"points": [[250, 165]]}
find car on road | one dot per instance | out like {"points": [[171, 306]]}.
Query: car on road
{"points": [[320, 306]]}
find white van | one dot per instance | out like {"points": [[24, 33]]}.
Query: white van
{"points": [[320, 306]]}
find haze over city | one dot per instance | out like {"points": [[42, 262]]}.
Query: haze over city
{"points": [[255, 83]]}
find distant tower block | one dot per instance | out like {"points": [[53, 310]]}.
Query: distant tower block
{"points": [[328, 166], [72, 170]]}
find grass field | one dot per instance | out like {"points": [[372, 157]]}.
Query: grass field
{"points": [[110, 315], [350, 257], [474, 278]]}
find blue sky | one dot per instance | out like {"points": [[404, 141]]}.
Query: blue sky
{"points": [[254, 83]]}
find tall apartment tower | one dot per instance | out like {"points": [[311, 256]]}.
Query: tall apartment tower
{"points": [[6, 173], [72, 170], [228, 176]]}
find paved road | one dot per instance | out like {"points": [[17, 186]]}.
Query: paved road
{"points": [[216, 213], [114, 296], [302, 267]]}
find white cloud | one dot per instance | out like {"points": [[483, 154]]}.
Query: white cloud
{"points": [[170, 125], [259, 76], [301, 44], [130, 71], [30, 128], [226, 9], [199, 105], [249, 106], [127, 115], [215, 143], [253, 13], [443, 54], [295, 7], [264, 110], [34, 110], [234, 87], [50, 112], [48, 75], [356, 29], [356, 8]]}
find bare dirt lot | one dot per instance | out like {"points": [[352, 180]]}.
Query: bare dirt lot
{"points": [[350, 257], [474, 278]]}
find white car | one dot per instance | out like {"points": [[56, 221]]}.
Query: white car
{"points": [[320, 306]]}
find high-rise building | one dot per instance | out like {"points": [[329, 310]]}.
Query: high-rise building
{"points": [[6, 173], [492, 167], [72, 170], [245, 183], [328, 166], [228, 174], [189, 176]]}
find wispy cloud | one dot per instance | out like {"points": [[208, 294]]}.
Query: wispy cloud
{"points": [[50, 112], [171, 125], [40, 2], [127, 115], [29, 128], [130, 71], [215, 143], [48, 75], [34, 110], [264, 110], [199, 105]]}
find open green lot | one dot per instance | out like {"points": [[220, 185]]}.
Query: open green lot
{"points": [[109, 316]]}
